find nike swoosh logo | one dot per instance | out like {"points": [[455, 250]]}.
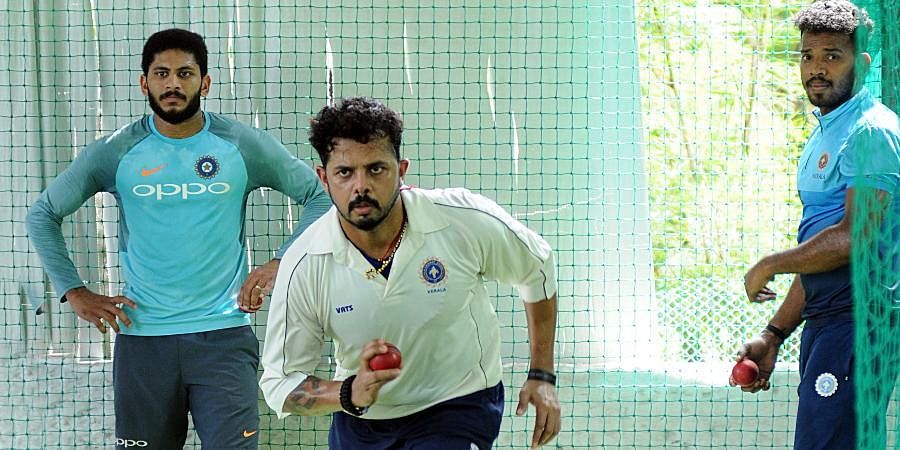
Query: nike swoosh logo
{"points": [[249, 433], [148, 172]]}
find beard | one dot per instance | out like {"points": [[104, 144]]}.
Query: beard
{"points": [[175, 117], [372, 221], [840, 92]]}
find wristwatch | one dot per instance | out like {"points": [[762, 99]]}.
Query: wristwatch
{"points": [[346, 403], [542, 375]]}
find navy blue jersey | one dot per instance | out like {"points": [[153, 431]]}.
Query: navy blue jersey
{"points": [[856, 144]]}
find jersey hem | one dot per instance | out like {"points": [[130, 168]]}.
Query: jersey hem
{"points": [[199, 327]]}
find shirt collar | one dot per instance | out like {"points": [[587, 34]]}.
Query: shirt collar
{"points": [[422, 214], [183, 140]]}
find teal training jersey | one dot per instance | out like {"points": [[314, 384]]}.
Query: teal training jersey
{"points": [[181, 217]]}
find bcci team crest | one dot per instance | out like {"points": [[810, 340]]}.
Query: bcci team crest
{"points": [[826, 385], [206, 167], [433, 272], [823, 161]]}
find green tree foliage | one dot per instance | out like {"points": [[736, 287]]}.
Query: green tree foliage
{"points": [[725, 118]]}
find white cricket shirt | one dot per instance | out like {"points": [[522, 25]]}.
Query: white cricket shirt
{"points": [[434, 306]]}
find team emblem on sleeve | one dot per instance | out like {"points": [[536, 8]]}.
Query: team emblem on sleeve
{"points": [[206, 167], [826, 384], [433, 271]]}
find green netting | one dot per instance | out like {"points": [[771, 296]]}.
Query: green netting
{"points": [[875, 256], [653, 143]]}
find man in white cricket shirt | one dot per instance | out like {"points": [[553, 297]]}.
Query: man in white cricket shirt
{"points": [[391, 264]]}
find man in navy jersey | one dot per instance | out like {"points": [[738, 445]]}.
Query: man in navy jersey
{"points": [[181, 177], [856, 145]]}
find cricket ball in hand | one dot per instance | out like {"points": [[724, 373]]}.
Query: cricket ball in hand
{"points": [[745, 372], [385, 361]]}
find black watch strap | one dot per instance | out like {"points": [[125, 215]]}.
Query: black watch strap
{"points": [[542, 375], [346, 403], [778, 332]]}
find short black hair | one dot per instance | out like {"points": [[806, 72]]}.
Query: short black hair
{"points": [[837, 16], [361, 119], [177, 39]]}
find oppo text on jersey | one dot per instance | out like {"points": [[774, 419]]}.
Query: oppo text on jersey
{"points": [[183, 190]]}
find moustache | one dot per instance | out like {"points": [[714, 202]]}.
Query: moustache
{"points": [[817, 79], [364, 199], [173, 94]]}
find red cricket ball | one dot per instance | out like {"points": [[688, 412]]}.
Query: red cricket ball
{"points": [[745, 372], [384, 361]]}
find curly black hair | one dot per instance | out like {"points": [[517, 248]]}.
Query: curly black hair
{"points": [[836, 16], [177, 39], [361, 119]]}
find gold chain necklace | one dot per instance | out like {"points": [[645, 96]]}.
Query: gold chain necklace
{"points": [[373, 272]]}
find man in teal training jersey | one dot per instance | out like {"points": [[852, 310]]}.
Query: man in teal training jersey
{"points": [[180, 177]]}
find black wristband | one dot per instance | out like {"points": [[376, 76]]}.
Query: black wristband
{"points": [[777, 332], [346, 403], [542, 375]]}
